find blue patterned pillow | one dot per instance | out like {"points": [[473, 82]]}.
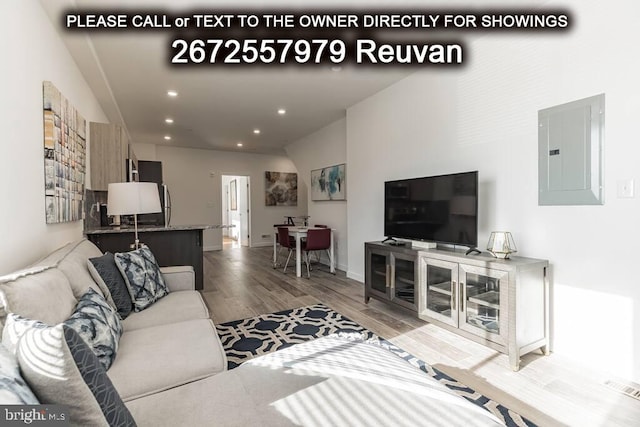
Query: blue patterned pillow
{"points": [[103, 269], [98, 325], [143, 277], [62, 369], [94, 320], [13, 389]]}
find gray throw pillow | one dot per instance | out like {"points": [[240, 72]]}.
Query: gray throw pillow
{"points": [[13, 389], [143, 277], [105, 272], [61, 369]]}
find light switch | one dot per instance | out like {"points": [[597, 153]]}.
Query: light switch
{"points": [[625, 189]]}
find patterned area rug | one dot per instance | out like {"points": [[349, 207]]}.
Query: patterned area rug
{"points": [[248, 338]]}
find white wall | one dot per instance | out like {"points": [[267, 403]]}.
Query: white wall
{"points": [[145, 151], [326, 147], [32, 52], [197, 197], [484, 116]]}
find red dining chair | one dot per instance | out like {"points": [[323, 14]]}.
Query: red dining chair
{"points": [[277, 251], [286, 241], [317, 240], [319, 254]]}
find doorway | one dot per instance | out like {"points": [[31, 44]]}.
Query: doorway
{"points": [[236, 211]]}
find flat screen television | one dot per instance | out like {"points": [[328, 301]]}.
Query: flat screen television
{"points": [[441, 209]]}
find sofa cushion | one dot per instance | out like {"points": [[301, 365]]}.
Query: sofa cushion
{"points": [[98, 325], [143, 277], [175, 307], [62, 369], [53, 259], [327, 381], [45, 296], [74, 266], [13, 389], [154, 359], [105, 272]]}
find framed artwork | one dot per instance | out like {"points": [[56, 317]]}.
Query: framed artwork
{"points": [[329, 183], [64, 157], [281, 189], [233, 195]]}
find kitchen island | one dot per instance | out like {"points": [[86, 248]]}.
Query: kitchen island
{"points": [[172, 245]]}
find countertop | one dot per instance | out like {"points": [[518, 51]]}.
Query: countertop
{"points": [[147, 228]]}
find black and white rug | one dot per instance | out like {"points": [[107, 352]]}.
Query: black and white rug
{"points": [[249, 338]]}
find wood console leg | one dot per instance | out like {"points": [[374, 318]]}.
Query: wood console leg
{"points": [[366, 299]]}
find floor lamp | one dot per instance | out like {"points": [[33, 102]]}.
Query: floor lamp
{"points": [[133, 198]]}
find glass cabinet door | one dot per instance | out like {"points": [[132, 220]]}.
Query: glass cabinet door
{"points": [[484, 302], [441, 278], [379, 272], [404, 280]]}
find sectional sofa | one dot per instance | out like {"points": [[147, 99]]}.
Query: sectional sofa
{"points": [[172, 343], [170, 367]]}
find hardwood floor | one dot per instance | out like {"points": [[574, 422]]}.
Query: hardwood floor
{"points": [[550, 391]]}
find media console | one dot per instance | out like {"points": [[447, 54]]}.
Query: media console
{"points": [[503, 304]]}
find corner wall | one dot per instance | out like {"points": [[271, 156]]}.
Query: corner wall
{"points": [[32, 52], [483, 117], [326, 147]]}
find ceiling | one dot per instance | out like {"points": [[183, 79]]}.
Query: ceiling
{"points": [[216, 108]]}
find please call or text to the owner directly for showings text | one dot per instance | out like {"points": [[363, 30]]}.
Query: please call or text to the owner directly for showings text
{"points": [[298, 38]]}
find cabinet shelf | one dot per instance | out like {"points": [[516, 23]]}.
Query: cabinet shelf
{"points": [[405, 280], [441, 288], [380, 273], [487, 299]]}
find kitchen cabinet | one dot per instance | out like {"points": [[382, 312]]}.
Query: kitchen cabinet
{"points": [[171, 246], [108, 152]]}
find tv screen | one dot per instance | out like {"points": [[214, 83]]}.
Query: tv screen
{"points": [[440, 208]]}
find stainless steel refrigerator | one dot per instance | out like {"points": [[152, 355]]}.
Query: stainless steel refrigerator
{"points": [[150, 171]]}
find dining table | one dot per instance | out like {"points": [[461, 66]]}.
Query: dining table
{"points": [[299, 233]]}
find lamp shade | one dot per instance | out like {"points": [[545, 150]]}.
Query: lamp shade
{"points": [[128, 198]]}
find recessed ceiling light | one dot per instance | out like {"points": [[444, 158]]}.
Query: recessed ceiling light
{"points": [[168, 120], [167, 137], [256, 131], [336, 68], [239, 144], [282, 111], [172, 93]]}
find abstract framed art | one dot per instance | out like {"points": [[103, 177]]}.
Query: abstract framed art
{"points": [[329, 183], [281, 189]]}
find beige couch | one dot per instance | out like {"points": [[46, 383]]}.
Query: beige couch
{"points": [[171, 343], [170, 362]]}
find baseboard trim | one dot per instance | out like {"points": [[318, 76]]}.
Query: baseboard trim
{"points": [[355, 276], [211, 248], [261, 244]]}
